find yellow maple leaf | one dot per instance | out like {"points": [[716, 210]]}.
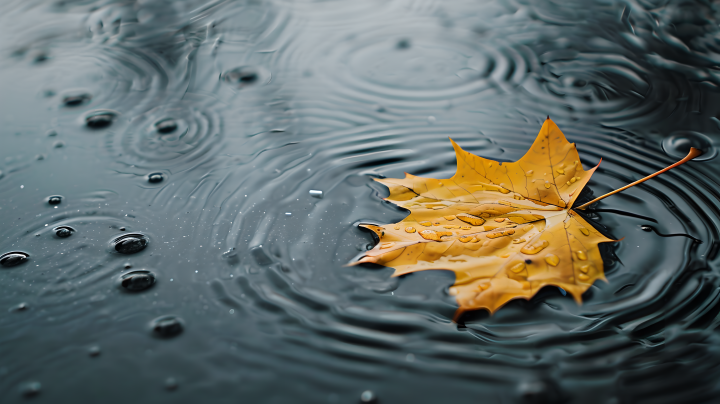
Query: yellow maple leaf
{"points": [[505, 229]]}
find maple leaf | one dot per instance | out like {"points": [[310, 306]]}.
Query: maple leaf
{"points": [[505, 229]]}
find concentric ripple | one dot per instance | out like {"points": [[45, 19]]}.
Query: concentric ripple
{"points": [[652, 280], [173, 138], [409, 67], [182, 186]]}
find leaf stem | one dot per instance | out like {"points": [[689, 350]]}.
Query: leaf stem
{"points": [[691, 155]]}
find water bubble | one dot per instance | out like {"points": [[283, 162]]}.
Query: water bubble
{"points": [[165, 126], [171, 384], [13, 258], [245, 76], [130, 243], [52, 133], [403, 44], [368, 396], [241, 75], [58, 144], [167, 326], [536, 392], [94, 351], [155, 178], [76, 100], [678, 145], [316, 194], [136, 281], [54, 200], [30, 389], [100, 119], [42, 57], [19, 307], [63, 231]]}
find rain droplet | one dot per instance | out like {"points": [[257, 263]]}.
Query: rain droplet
{"points": [[130, 243], [171, 384], [517, 267], [76, 100], [54, 200], [100, 119], [403, 44], [94, 351], [63, 231], [368, 396], [316, 194], [167, 326], [13, 258], [31, 389], [535, 247], [136, 281], [19, 307], [552, 259], [155, 178], [536, 392], [165, 126], [245, 76], [473, 220]]}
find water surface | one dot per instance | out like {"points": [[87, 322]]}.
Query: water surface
{"points": [[157, 160]]}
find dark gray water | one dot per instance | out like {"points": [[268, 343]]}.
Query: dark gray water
{"points": [[157, 159]]}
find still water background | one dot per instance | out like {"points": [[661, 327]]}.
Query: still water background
{"points": [[199, 128]]}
